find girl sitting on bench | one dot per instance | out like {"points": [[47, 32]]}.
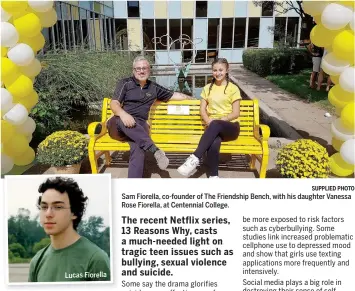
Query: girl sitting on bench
{"points": [[219, 109]]}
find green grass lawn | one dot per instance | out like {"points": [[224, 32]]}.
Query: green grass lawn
{"points": [[298, 84]]}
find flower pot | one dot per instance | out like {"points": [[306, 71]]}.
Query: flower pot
{"points": [[69, 169]]}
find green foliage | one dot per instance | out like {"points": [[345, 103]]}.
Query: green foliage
{"points": [[41, 244], [298, 84], [93, 229], [62, 148], [70, 83], [303, 158], [266, 62], [17, 250]]}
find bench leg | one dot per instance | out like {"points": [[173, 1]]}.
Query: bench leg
{"points": [[252, 162], [263, 166], [108, 158], [93, 161]]}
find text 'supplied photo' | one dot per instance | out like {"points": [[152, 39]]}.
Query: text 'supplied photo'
{"points": [[58, 229]]}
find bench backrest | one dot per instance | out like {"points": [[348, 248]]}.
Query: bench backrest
{"points": [[192, 124]]}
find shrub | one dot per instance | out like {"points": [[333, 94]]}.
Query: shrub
{"points": [[17, 250], [303, 158], [276, 61], [62, 148], [70, 82]]}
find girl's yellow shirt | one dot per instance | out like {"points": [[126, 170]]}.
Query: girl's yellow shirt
{"points": [[219, 104]]}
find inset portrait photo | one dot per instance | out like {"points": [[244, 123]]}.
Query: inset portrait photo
{"points": [[59, 228]]}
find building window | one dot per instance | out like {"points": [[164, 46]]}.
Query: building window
{"points": [[227, 33], [253, 32], [133, 8], [292, 31], [279, 30], [148, 34], [213, 27], [200, 57], [267, 8], [201, 8], [187, 29], [239, 32], [121, 34], [174, 32], [160, 33], [187, 55]]}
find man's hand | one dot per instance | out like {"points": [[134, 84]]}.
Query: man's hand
{"points": [[127, 120]]}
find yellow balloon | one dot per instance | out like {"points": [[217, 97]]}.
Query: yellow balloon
{"points": [[339, 97], [347, 116], [48, 18], [323, 37], [20, 88], [7, 131], [16, 146], [335, 79], [336, 143], [36, 43], [317, 18], [28, 25], [8, 69], [339, 167], [30, 101], [14, 6], [343, 46], [3, 51], [26, 158]]}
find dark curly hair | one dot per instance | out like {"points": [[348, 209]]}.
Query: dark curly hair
{"points": [[76, 196]]}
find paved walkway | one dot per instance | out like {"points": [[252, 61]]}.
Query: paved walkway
{"points": [[296, 118]]}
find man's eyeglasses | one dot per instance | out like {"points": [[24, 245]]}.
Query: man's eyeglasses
{"points": [[44, 208], [143, 69]]}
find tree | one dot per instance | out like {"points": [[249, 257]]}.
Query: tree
{"points": [[94, 230], [17, 250], [41, 244], [283, 7]]}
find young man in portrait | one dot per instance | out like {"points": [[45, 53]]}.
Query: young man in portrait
{"points": [[69, 256]]}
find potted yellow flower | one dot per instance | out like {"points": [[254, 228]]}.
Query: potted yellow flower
{"points": [[303, 158], [64, 150]]}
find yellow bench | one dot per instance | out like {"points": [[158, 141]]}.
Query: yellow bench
{"points": [[176, 127]]}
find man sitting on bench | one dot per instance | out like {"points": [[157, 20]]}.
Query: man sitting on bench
{"points": [[130, 105]]}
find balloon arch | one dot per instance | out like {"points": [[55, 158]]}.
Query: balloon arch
{"points": [[335, 32], [21, 39]]}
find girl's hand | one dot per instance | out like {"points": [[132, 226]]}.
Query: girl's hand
{"points": [[224, 118]]}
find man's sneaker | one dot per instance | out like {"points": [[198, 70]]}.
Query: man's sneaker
{"points": [[214, 177], [162, 159], [189, 167]]}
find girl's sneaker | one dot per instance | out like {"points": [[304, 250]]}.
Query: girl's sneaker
{"points": [[189, 167], [213, 177]]}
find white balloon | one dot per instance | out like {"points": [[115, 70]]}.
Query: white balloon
{"points": [[29, 138], [5, 16], [17, 115], [339, 132], [346, 80], [6, 101], [28, 127], [21, 54], [6, 164], [9, 34], [33, 69], [351, 24], [332, 65], [336, 16], [347, 151], [40, 6], [314, 7]]}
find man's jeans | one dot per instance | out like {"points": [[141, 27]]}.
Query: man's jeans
{"points": [[138, 139]]}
